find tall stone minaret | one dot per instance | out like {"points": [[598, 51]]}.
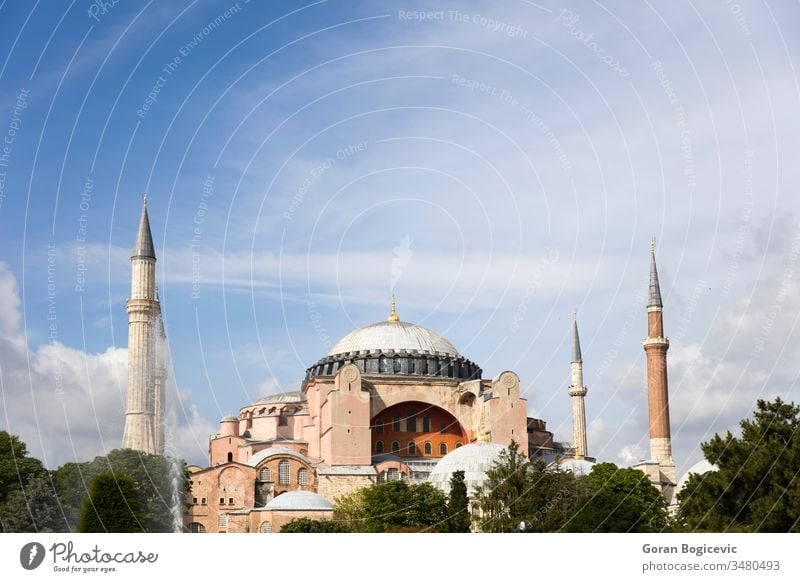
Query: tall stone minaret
{"points": [[656, 346], [141, 432], [577, 391]]}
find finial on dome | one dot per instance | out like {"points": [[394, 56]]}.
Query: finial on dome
{"points": [[483, 437], [144, 198], [393, 317]]}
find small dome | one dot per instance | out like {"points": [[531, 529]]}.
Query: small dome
{"points": [[299, 501], [281, 397], [576, 466], [474, 459], [700, 467], [394, 335], [230, 418]]}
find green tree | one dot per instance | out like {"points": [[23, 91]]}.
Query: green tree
{"points": [[503, 500], [306, 525], [34, 509], [152, 475], [112, 506], [553, 496], [756, 487], [395, 506], [458, 519], [16, 467], [520, 491], [619, 500]]}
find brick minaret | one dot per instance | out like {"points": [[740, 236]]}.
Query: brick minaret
{"points": [[656, 346], [142, 432], [577, 391]]}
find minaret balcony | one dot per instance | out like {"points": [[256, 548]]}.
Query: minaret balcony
{"points": [[655, 341]]}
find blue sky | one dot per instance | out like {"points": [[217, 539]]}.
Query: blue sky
{"points": [[495, 166]]}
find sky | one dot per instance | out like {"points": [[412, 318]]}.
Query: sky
{"points": [[496, 165]]}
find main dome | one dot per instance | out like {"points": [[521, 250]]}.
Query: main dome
{"points": [[394, 335], [396, 348]]}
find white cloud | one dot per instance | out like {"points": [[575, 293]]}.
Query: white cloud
{"points": [[67, 404], [9, 301]]}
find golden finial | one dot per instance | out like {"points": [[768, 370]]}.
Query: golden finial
{"points": [[574, 315], [652, 246], [483, 437], [393, 317], [144, 197]]}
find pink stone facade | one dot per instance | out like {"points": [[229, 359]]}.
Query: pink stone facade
{"points": [[324, 439]]}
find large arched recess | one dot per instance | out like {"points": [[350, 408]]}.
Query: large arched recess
{"points": [[419, 424]]}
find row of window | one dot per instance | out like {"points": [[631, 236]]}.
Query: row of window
{"points": [[431, 368], [222, 521], [204, 501], [284, 474], [427, 448], [411, 424]]}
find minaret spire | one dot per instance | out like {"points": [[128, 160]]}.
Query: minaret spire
{"points": [[654, 295], [576, 341], [577, 391], [143, 247]]}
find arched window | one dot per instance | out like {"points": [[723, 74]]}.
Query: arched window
{"points": [[230, 457], [428, 449], [382, 364], [458, 445], [412, 448], [443, 449], [195, 527], [222, 520], [397, 365], [395, 447], [266, 474], [379, 448], [302, 477], [265, 527], [283, 472], [392, 475]]}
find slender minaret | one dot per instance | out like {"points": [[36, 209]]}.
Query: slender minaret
{"points": [[577, 391], [656, 346], [143, 312]]}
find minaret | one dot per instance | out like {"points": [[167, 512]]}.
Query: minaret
{"points": [[143, 311], [577, 391], [656, 346]]}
